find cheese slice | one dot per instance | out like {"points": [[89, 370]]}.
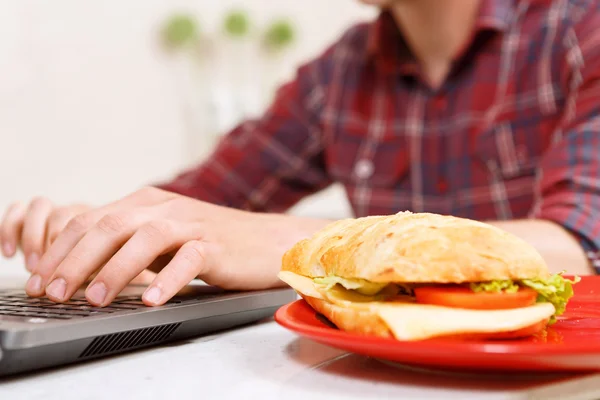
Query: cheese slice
{"points": [[408, 320], [422, 321], [301, 284]]}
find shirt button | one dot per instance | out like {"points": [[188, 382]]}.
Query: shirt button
{"points": [[364, 169]]}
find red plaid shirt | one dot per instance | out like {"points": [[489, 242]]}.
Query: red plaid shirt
{"points": [[514, 132]]}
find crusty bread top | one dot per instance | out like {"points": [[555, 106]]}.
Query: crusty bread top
{"points": [[415, 247]]}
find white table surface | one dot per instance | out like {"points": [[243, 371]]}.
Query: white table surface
{"points": [[265, 361]]}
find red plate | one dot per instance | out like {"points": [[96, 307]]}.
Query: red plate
{"points": [[572, 344]]}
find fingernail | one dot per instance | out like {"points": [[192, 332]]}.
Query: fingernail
{"points": [[57, 289], [34, 284], [96, 293], [153, 295], [8, 249], [32, 261]]}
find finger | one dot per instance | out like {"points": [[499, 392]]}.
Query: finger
{"points": [[11, 227], [189, 262], [83, 220], [145, 246], [65, 242], [57, 222], [74, 231], [34, 230], [89, 254]]}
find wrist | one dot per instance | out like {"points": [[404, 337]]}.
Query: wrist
{"points": [[287, 230]]}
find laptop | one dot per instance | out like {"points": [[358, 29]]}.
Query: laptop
{"points": [[37, 333]]}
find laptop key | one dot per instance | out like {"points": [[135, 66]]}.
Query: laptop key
{"points": [[67, 312], [29, 314], [7, 312], [75, 303], [42, 301], [126, 298], [13, 309], [14, 303], [49, 311], [131, 303], [80, 299], [19, 313], [58, 306], [31, 309], [18, 296], [20, 303]]}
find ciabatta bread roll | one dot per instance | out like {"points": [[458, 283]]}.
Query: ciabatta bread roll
{"points": [[442, 275]]}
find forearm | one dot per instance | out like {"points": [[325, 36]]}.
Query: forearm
{"points": [[559, 248]]}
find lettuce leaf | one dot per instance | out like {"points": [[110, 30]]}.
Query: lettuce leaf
{"points": [[495, 286], [556, 290], [360, 285]]}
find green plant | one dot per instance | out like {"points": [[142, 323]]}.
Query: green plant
{"points": [[237, 23], [180, 30], [279, 34]]}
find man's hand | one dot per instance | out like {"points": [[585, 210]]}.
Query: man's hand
{"points": [[33, 227], [179, 237]]}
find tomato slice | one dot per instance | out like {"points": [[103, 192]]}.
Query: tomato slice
{"points": [[464, 297]]}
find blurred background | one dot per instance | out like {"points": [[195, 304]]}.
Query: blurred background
{"points": [[98, 98]]}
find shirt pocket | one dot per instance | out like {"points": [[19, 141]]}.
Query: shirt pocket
{"points": [[508, 153], [356, 155]]}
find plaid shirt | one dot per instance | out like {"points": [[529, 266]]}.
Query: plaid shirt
{"points": [[513, 132]]}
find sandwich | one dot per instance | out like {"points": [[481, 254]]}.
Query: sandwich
{"points": [[416, 276]]}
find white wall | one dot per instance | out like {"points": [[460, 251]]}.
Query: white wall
{"points": [[90, 104], [92, 107]]}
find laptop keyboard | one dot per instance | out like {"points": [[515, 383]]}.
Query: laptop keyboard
{"points": [[13, 303], [16, 303]]}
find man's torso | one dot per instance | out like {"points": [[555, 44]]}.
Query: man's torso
{"points": [[470, 148]]}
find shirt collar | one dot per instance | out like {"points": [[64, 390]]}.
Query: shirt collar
{"points": [[495, 15], [386, 45]]}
